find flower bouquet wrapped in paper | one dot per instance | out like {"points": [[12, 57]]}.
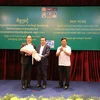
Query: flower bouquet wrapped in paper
{"points": [[30, 50], [27, 49], [36, 56]]}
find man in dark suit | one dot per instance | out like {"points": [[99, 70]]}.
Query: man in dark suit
{"points": [[44, 50], [26, 61]]}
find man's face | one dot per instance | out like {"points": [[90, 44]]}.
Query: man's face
{"points": [[43, 41], [64, 42], [29, 39]]}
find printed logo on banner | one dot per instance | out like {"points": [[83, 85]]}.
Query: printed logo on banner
{"points": [[50, 43], [49, 12]]}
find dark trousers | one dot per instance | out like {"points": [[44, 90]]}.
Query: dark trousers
{"points": [[42, 73], [26, 68], [64, 72]]}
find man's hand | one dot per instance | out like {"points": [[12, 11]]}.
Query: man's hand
{"points": [[28, 54], [41, 56], [68, 54], [61, 49]]}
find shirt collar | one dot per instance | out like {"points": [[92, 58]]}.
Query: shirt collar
{"points": [[29, 43], [43, 45], [65, 46]]}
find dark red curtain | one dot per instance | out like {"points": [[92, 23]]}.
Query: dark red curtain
{"points": [[50, 2], [85, 64]]}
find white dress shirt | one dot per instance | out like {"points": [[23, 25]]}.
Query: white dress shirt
{"points": [[41, 49], [63, 59]]}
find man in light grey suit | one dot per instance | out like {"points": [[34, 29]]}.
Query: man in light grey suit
{"points": [[44, 50]]}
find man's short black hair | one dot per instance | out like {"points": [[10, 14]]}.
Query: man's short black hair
{"points": [[28, 35], [64, 38], [44, 38]]}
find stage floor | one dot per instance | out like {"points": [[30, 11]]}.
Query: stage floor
{"points": [[84, 88]]}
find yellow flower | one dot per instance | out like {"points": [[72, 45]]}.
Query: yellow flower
{"points": [[57, 99], [78, 99], [69, 99], [32, 98], [5, 97], [23, 98], [45, 99], [14, 98]]}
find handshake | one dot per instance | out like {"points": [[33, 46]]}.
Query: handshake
{"points": [[29, 50]]}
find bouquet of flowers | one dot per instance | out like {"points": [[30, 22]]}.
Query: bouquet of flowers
{"points": [[36, 56], [29, 49]]}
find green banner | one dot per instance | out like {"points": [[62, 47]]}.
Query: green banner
{"points": [[80, 25]]}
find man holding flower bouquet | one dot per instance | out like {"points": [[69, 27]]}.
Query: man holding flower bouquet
{"points": [[43, 50], [26, 61]]}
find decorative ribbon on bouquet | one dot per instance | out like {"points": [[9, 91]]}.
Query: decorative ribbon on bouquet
{"points": [[29, 49]]}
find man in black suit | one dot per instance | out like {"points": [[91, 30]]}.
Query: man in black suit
{"points": [[26, 61], [44, 50]]}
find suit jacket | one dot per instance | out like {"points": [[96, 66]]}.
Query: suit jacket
{"points": [[25, 59], [45, 53]]}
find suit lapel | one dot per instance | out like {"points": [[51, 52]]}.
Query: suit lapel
{"points": [[25, 43], [39, 48]]}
